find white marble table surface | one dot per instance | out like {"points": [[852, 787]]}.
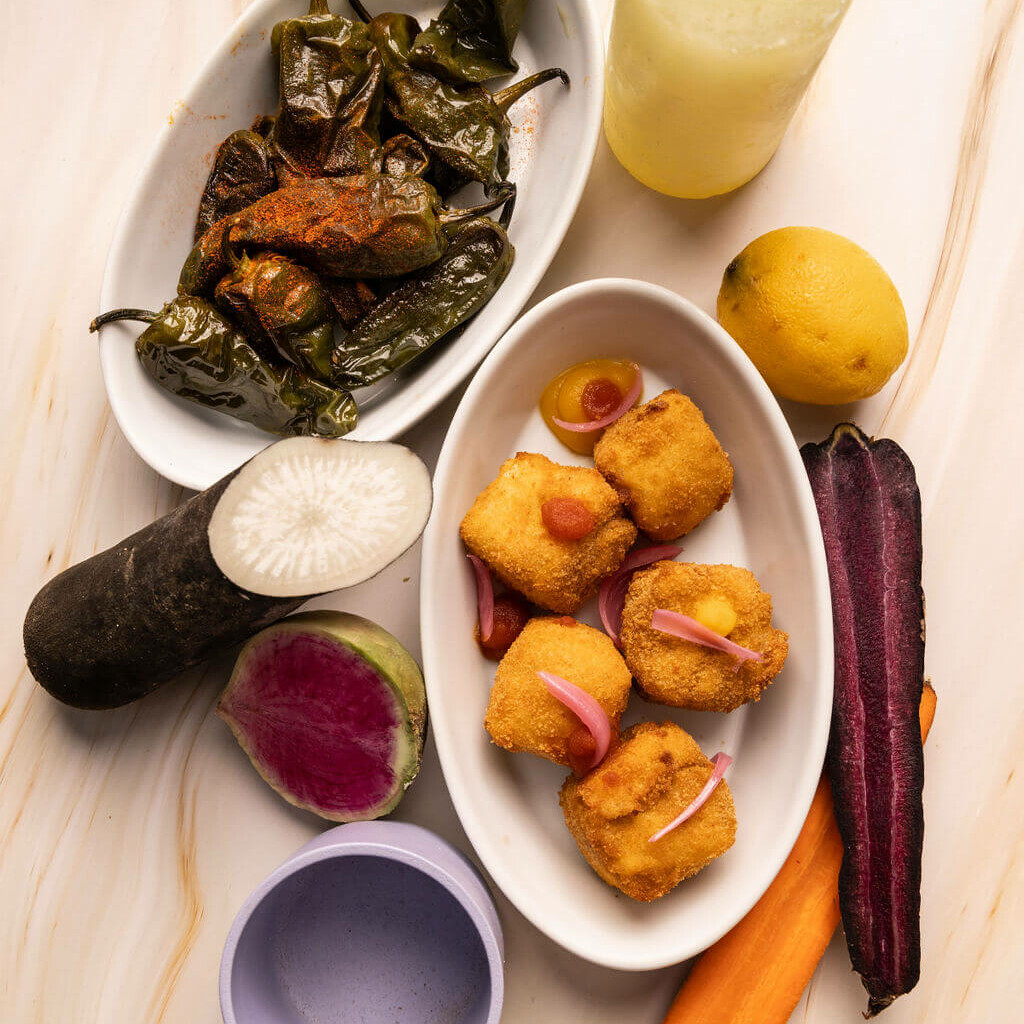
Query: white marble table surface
{"points": [[129, 839]]}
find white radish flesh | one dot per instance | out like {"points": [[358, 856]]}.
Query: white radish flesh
{"points": [[308, 515]]}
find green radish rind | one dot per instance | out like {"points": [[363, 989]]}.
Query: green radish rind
{"points": [[391, 663]]}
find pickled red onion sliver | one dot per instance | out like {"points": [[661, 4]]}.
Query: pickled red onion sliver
{"points": [[721, 762], [610, 602], [484, 597], [613, 590], [634, 392], [682, 626], [585, 708]]}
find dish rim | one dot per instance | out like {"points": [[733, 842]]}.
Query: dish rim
{"points": [[463, 361], [432, 628]]}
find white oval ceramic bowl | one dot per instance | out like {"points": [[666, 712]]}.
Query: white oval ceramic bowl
{"points": [[554, 138], [508, 803]]}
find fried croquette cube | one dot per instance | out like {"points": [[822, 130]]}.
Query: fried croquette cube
{"points": [[666, 464], [669, 670], [523, 716], [506, 529], [654, 774]]}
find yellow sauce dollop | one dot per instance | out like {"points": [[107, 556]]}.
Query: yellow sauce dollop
{"points": [[562, 398], [716, 613]]}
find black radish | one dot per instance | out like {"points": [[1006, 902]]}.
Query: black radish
{"points": [[303, 517]]}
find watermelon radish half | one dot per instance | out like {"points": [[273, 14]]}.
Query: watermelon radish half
{"points": [[331, 710]]}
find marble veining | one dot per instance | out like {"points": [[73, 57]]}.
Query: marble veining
{"points": [[128, 839]]}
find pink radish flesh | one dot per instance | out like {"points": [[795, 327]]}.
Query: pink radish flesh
{"points": [[321, 725]]}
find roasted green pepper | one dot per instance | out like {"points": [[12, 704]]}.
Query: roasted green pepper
{"points": [[362, 226], [465, 128], [193, 351], [445, 179], [283, 309], [329, 80], [354, 146], [263, 124], [470, 40], [405, 155], [351, 300], [242, 172], [423, 309]]}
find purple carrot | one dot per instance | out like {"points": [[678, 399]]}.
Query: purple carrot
{"points": [[870, 512]]}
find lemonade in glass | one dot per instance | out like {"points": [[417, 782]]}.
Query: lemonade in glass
{"points": [[699, 92]]}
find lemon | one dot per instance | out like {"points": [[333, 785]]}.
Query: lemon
{"points": [[816, 314]]}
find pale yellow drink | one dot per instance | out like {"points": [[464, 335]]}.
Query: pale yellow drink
{"points": [[699, 92]]}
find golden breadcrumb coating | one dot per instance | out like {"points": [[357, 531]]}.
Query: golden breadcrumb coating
{"points": [[666, 464], [523, 716], [669, 670], [645, 782], [504, 528]]}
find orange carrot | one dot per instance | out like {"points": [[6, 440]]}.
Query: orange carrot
{"points": [[756, 973]]}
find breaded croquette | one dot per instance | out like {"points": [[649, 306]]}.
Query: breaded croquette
{"points": [[645, 782], [523, 716], [506, 528], [684, 674], [666, 464]]}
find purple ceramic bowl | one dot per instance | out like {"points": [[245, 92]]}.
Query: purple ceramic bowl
{"points": [[374, 922]]}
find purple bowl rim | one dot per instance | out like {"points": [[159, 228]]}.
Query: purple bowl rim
{"points": [[490, 933]]}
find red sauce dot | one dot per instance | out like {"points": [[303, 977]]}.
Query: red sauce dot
{"points": [[567, 518], [579, 750], [511, 613], [565, 620], [599, 398]]}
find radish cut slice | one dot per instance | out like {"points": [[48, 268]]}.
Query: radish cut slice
{"points": [[331, 710], [585, 708], [612, 596], [308, 515], [627, 403], [721, 762], [484, 597], [682, 626]]}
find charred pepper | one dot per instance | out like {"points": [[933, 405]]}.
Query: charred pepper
{"points": [[242, 172], [466, 128], [422, 310], [405, 155], [283, 309], [470, 40], [190, 349], [362, 226], [351, 300], [263, 124], [330, 85]]}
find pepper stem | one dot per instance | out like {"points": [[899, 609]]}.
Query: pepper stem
{"points": [[504, 98], [318, 7], [145, 316], [361, 11], [506, 191], [506, 214], [227, 254]]}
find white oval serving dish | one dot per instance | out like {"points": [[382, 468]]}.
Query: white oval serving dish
{"points": [[553, 142], [508, 803]]}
